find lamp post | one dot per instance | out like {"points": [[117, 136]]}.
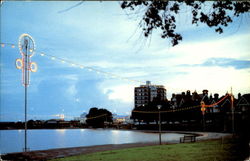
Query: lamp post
{"points": [[232, 108], [203, 110], [159, 107], [27, 48]]}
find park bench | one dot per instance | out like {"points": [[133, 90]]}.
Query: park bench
{"points": [[189, 138]]}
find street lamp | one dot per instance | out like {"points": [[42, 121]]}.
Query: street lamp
{"points": [[232, 108], [159, 107], [27, 50], [203, 110]]}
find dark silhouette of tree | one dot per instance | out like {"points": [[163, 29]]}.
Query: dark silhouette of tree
{"points": [[96, 117], [162, 15], [149, 112]]}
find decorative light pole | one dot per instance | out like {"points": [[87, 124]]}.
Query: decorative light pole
{"points": [[159, 108], [27, 49], [232, 108]]}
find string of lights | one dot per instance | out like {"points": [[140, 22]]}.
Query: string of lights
{"points": [[81, 66], [94, 117], [170, 110], [214, 104], [9, 44], [62, 116], [91, 69], [184, 108]]}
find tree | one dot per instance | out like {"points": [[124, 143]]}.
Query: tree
{"points": [[149, 113], [96, 117], [162, 15]]}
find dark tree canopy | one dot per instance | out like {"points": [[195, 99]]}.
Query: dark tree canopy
{"points": [[96, 117], [162, 15]]}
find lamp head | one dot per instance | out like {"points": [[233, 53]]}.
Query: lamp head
{"points": [[159, 107]]}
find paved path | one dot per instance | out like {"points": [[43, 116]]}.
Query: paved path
{"points": [[63, 152]]}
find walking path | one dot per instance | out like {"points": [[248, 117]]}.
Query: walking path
{"points": [[63, 152]]}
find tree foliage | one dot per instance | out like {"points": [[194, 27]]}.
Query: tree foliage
{"points": [[162, 15], [96, 117]]}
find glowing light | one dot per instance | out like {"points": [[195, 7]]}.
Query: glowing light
{"points": [[115, 132], [33, 67], [26, 39], [62, 131], [30, 40], [19, 63], [61, 116], [24, 63]]}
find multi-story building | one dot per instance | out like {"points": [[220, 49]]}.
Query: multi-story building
{"points": [[147, 93]]}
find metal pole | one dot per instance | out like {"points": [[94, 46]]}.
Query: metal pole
{"points": [[203, 120], [159, 127], [26, 91], [232, 108], [25, 132], [26, 47]]}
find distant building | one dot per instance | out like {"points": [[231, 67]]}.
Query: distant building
{"points": [[186, 99], [82, 118], [147, 93], [243, 106], [122, 119]]}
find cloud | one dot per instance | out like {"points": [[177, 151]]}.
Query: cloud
{"points": [[71, 90], [235, 46], [223, 62], [109, 41], [214, 78], [123, 93]]}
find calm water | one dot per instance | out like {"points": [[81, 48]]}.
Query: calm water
{"points": [[13, 140]]}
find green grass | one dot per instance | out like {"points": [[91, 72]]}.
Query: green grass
{"points": [[200, 151]]}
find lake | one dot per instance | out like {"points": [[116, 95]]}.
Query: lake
{"points": [[13, 140]]}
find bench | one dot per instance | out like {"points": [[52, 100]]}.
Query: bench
{"points": [[190, 138]]}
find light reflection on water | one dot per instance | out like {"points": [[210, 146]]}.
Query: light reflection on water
{"points": [[13, 140]]}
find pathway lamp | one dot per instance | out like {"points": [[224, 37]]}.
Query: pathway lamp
{"points": [[232, 108], [159, 108], [203, 110]]}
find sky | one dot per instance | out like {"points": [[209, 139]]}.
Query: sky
{"points": [[103, 36]]}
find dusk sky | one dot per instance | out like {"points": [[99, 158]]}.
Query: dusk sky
{"points": [[103, 36]]}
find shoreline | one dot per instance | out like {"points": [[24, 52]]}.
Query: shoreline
{"points": [[38, 155]]}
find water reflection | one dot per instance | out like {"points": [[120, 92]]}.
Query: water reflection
{"points": [[13, 140], [115, 136], [61, 131]]}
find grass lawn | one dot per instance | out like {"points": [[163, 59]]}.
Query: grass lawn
{"points": [[212, 150]]}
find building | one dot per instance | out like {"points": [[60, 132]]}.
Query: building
{"points": [[147, 93]]}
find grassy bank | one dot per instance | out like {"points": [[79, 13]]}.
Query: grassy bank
{"points": [[213, 150]]}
